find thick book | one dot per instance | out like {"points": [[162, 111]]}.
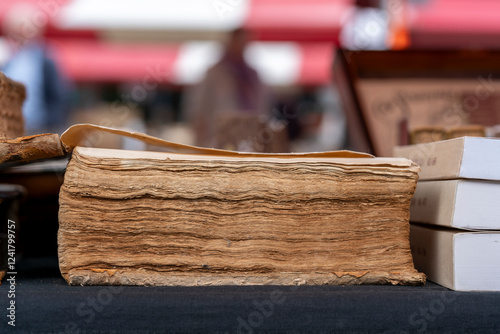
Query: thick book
{"points": [[460, 203], [197, 216], [430, 134], [459, 260], [211, 217], [465, 157]]}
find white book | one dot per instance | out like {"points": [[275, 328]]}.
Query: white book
{"points": [[465, 157], [459, 260], [463, 204]]}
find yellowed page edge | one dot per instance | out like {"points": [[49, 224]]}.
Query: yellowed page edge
{"points": [[74, 135]]}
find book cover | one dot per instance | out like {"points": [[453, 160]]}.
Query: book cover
{"points": [[459, 203], [459, 260], [465, 157]]}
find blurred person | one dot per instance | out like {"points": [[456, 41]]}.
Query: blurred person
{"points": [[230, 87], [332, 131], [31, 64], [320, 121]]}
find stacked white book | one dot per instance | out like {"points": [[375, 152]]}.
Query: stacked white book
{"points": [[455, 212]]}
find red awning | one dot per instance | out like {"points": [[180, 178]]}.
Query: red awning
{"points": [[45, 12], [455, 24], [316, 65], [94, 61], [277, 20], [6, 5], [298, 20], [97, 61]]}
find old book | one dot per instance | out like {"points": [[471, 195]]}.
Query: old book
{"points": [[462, 203], [12, 95], [467, 131], [465, 157], [200, 216], [430, 134], [212, 217], [459, 260]]}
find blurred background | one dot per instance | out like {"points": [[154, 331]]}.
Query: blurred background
{"points": [[142, 65]]}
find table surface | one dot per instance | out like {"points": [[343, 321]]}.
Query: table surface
{"points": [[46, 304]]}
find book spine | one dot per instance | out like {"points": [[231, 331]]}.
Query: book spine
{"points": [[459, 260], [437, 160], [434, 203], [465, 157], [433, 254]]}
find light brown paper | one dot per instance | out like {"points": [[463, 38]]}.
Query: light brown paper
{"points": [[76, 133]]}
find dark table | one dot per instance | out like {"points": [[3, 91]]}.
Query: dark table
{"points": [[46, 304]]}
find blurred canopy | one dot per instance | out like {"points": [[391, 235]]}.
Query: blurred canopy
{"points": [[123, 40]]}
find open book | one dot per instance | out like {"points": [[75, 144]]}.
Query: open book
{"points": [[197, 216]]}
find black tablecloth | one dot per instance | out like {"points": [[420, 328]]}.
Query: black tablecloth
{"points": [[46, 304]]}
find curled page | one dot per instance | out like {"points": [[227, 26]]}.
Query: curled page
{"points": [[76, 134]]}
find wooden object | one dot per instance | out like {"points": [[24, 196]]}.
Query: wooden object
{"points": [[12, 95], [428, 134], [447, 89], [467, 130], [30, 148]]}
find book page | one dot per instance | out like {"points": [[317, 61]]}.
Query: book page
{"points": [[76, 133]]}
